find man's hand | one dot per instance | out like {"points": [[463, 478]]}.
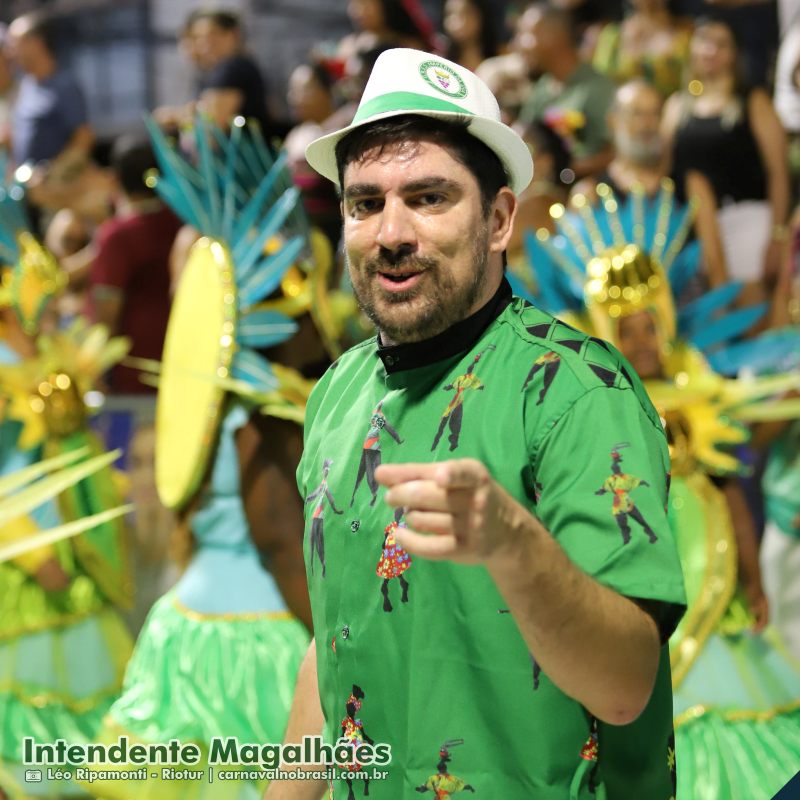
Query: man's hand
{"points": [[472, 518], [598, 647]]}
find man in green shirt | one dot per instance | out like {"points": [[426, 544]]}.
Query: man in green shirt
{"points": [[523, 654], [570, 96]]}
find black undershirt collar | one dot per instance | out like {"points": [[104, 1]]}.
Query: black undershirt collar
{"points": [[457, 339]]}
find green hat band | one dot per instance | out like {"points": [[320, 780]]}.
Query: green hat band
{"points": [[408, 101]]}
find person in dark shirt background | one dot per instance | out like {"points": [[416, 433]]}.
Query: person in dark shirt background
{"points": [[50, 120], [129, 277], [233, 85]]}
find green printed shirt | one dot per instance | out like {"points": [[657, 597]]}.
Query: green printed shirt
{"points": [[422, 655]]}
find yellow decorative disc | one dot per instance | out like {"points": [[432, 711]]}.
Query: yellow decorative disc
{"points": [[198, 351]]}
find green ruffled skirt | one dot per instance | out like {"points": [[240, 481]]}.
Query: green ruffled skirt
{"points": [[57, 683], [737, 722], [197, 676]]}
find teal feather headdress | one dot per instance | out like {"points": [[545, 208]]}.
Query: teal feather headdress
{"points": [[620, 256]]}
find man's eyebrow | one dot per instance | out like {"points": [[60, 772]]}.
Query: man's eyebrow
{"points": [[361, 190], [440, 183], [434, 182]]}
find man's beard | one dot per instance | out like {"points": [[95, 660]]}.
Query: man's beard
{"points": [[425, 310], [644, 151]]}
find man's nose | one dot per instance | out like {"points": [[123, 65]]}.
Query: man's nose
{"points": [[396, 229]]}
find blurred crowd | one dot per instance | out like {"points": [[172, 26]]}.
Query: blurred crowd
{"points": [[627, 94], [706, 93]]}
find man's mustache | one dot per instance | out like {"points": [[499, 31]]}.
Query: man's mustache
{"points": [[399, 263]]}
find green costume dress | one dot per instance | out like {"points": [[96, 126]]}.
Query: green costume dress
{"points": [[736, 693], [62, 653], [219, 653], [434, 658]]}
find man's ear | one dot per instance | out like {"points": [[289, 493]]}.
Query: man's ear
{"points": [[501, 219]]}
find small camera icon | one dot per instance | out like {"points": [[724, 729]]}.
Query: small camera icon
{"points": [[33, 776]]}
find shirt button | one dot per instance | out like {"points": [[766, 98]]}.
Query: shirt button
{"points": [[345, 632], [390, 361]]}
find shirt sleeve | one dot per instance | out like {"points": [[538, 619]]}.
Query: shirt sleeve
{"points": [[112, 266], [602, 481], [600, 97], [73, 106]]}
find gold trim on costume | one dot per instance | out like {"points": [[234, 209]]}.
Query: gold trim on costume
{"points": [[719, 581], [46, 698], [230, 616], [695, 712]]}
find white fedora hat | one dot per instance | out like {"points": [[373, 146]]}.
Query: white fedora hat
{"points": [[407, 81]]}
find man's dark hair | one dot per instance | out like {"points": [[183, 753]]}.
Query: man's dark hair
{"points": [[226, 20], [131, 158], [453, 134], [321, 75], [43, 26]]}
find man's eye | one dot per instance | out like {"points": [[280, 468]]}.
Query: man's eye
{"points": [[431, 199], [365, 206]]}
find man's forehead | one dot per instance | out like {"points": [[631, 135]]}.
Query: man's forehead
{"points": [[403, 161]]}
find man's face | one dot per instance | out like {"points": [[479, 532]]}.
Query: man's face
{"points": [[416, 240], [212, 43], [638, 342], [23, 48], [636, 123], [529, 41]]}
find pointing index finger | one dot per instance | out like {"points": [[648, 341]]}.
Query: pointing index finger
{"points": [[464, 473], [392, 474]]}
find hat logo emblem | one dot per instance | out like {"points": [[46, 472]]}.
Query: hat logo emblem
{"points": [[443, 78]]}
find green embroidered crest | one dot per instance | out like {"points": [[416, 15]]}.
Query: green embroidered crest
{"points": [[443, 78]]}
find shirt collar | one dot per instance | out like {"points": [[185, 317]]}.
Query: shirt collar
{"points": [[457, 339]]}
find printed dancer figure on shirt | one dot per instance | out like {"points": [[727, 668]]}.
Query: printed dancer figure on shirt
{"points": [[620, 484], [320, 494], [454, 413], [394, 560], [443, 784], [352, 730], [371, 454]]}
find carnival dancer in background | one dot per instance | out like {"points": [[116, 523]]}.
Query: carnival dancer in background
{"points": [[219, 652], [63, 644], [733, 682]]}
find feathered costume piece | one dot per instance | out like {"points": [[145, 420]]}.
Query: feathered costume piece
{"points": [[62, 650]]}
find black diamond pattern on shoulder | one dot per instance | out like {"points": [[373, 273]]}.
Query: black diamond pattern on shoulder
{"points": [[606, 375], [573, 344], [542, 331]]}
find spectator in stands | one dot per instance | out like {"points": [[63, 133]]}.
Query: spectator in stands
{"points": [[387, 23], [173, 117], [471, 32], [311, 103], [550, 183], [731, 134], [50, 122], [649, 43], [755, 26], [787, 92], [570, 97], [233, 85], [8, 91], [635, 122], [129, 276]]}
